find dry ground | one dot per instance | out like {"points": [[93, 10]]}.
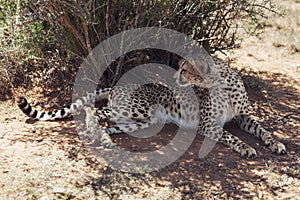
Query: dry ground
{"points": [[46, 160]]}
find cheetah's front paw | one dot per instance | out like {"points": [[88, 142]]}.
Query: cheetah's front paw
{"points": [[277, 147], [247, 151]]}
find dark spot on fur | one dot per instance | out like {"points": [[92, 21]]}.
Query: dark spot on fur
{"points": [[62, 112]]}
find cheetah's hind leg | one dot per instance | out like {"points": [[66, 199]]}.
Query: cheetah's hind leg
{"points": [[123, 124]]}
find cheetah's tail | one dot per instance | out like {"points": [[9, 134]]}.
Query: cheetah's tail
{"points": [[64, 112]]}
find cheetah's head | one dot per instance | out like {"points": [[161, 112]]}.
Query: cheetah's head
{"points": [[188, 74]]}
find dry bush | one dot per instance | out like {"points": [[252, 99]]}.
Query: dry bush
{"points": [[213, 23], [73, 28]]}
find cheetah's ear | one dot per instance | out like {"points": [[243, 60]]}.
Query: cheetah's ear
{"points": [[182, 62]]}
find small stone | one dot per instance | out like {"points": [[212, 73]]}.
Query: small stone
{"points": [[59, 190]]}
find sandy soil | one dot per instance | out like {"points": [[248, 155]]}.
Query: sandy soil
{"points": [[47, 160], [277, 48]]}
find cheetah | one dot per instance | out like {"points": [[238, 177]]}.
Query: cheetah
{"points": [[225, 98], [204, 103]]}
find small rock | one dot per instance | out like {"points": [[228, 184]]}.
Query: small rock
{"points": [[59, 190]]}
